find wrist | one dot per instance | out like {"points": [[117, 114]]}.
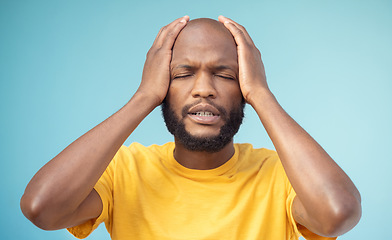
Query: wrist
{"points": [[149, 100], [143, 102], [259, 96]]}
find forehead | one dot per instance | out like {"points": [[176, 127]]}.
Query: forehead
{"points": [[205, 43]]}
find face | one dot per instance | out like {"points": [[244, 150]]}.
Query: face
{"points": [[204, 106]]}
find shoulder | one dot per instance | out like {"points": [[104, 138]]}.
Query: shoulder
{"points": [[266, 161], [246, 150], [136, 153], [137, 149]]}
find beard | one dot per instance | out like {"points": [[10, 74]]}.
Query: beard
{"points": [[211, 144]]}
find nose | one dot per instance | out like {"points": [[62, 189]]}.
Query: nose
{"points": [[204, 87]]}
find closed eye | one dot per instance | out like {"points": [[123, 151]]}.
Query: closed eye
{"points": [[226, 77], [182, 76]]}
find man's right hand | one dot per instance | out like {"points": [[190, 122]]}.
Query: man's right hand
{"points": [[50, 200], [156, 72]]}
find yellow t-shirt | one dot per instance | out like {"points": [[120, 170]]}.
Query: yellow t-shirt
{"points": [[147, 194]]}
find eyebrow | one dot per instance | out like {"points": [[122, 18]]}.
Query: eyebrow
{"points": [[183, 66], [220, 67], [223, 67]]}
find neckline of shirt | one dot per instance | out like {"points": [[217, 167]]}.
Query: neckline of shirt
{"points": [[195, 173]]}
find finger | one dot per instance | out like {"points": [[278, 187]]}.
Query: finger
{"points": [[168, 33], [237, 30], [159, 37], [224, 19], [172, 33]]}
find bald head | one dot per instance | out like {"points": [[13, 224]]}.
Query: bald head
{"points": [[203, 29], [209, 24], [205, 41]]}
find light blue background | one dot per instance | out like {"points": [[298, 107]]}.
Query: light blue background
{"points": [[67, 65]]}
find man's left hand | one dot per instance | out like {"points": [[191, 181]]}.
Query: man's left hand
{"points": [[251, 68]]}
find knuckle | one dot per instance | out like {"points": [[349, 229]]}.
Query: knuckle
{"points": [[152, 52], [170, 34], [157, 52], [148, 53], [164, 28], [258, 53], [240, 32]]}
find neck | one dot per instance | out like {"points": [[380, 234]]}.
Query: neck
{"points": [[202, 160]]}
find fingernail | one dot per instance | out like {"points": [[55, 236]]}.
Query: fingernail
{"points": [[183, 20]]}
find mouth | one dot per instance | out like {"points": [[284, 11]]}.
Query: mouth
{"points": [[204, 114]]}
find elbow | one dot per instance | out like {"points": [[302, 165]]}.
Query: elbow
{"points": [[34, 210], [342, 218]]}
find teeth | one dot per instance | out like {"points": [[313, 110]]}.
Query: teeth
{"points": [[204, 114]]}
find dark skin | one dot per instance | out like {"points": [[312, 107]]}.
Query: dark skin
{"points": [[311, 171], [196, 77], [186, 74]]}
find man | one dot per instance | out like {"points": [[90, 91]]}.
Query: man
{"points": [[202, 186]]}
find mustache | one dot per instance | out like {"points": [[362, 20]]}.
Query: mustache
{"points": [[222, 111]]}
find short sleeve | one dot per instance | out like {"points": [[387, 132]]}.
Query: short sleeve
{"points": [[300, 230], [289, 206], [104, 188]]}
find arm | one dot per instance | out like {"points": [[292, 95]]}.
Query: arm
{"points": [[61, 193], [327, 202]]}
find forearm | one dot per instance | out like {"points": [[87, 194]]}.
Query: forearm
{"points": [[61, 193], [323, 189], [63, 183], [327, 201]]}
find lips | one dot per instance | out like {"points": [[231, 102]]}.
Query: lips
{"points": [[204, 113]]}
